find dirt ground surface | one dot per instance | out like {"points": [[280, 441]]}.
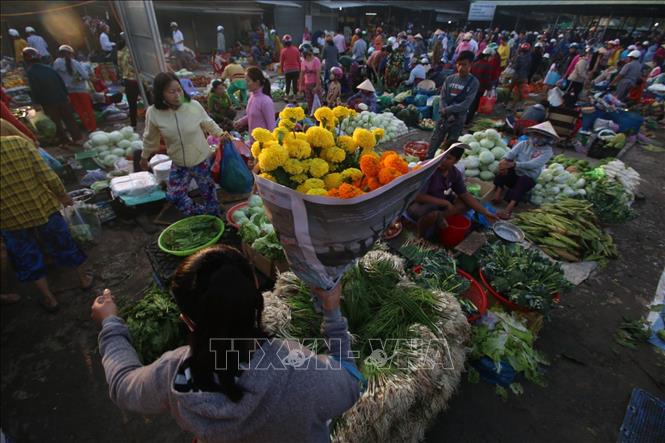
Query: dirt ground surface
{"points": [[54, 390]]}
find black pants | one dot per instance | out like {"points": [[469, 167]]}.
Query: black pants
{"points": [[448, 125], [572, 93], [474, 106], [292, 80], [132, 92]]}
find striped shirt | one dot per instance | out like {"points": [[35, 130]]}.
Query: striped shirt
{"points": [[29, 189]]}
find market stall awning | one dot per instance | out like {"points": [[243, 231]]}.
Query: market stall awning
{"points": [[235, 8], [344, 5], [279, 3]]}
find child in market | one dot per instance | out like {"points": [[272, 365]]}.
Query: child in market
{"points": [[334, 87], [220, 106]]}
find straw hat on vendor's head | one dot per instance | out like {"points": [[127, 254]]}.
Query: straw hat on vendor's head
{"points": [[602, 51], [635, 54], [173, 25], [546, 55], [419, 35], [220, 28], [29, 29], [545, 129], [468, 36], [438, 31], [14, 33], [366, 86]]}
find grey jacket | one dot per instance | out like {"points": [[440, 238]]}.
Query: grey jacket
{"points": [[281, 403], [529, 159]]}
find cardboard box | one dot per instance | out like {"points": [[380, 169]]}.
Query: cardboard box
{"points": [[263, 264]]}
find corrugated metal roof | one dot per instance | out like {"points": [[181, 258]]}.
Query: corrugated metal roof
{"points": [[280, 3]]}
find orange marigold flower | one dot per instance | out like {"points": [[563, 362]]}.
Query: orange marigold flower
{"points": [[397, 162], [388, 174], [387, 154], [345, 191], [369, 165], [373, 183]]}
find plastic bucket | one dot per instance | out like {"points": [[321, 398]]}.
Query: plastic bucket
{"points": [[455, 232]]}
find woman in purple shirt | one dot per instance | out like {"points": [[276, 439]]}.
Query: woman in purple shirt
{"points": [[260, 111]]}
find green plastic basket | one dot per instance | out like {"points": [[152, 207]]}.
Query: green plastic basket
{"points": [[186, 221]]}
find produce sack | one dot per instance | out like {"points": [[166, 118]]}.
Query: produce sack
{"points": [[230, 170], [322, 236], [487, 102]]}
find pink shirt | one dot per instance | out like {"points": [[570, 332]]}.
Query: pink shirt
{"points": [[340, 42], [309, 68], [260, 112]]}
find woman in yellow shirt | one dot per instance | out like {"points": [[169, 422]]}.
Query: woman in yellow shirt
{"points": [[19, 44], [183, 124], [504, 52]]}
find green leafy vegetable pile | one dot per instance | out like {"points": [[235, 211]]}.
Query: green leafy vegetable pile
{"points": [[631, 332], [378, 303], [191, 235], [154, 324], [256, 229], [505, 337], [432, 267], [522, 275], [611, 201]]}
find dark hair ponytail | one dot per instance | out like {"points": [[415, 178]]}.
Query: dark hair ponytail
{"points": [[216, 289], [257, 75]]}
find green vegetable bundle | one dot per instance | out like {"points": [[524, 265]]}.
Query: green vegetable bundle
{"points": [[611, 201], [154, 324], [256, 229], [509, 340], [568, 230], [191, 235], [580, 165], [483, 124], [522, 275], [432, 267]]}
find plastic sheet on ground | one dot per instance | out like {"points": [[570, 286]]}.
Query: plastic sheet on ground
{"points": [[323, 236], [657, 318]]}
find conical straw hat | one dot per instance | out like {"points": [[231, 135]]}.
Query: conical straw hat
{"points": [[544, 128], [367, 86]]}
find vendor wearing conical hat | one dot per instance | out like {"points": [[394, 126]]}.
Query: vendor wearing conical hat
{"points": [[521, 166], [366, 96]]}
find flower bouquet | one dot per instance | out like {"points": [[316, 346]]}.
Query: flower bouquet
{"points": [[328, 194]]}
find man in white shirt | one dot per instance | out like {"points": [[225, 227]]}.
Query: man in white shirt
{"points": [[108, 47], [178, 39], [37, 42], [221, 40]]}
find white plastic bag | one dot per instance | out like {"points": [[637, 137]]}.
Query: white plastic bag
{"points": [[316, 104], [134, 184], [162, 171]]}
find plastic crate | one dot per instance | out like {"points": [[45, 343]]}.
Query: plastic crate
{"points": [[87, 160]]}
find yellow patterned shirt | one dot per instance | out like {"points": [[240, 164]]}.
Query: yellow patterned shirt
{"points": [[29, 189]]}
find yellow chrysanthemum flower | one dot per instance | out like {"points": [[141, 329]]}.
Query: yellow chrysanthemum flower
{"points": [[268, 177], [325, 116], [301, 136], [378, 133], [352, 175], [364, 138], [293, 166], [256, 149], [320, 137], [317, 191], [310, 183], [347, 143], [281, 134], [298, 148], [272, 158], [333, 154], [300, 178], [333, 180], [262, 135], [318, 168], [341, 112], [352, 112]]}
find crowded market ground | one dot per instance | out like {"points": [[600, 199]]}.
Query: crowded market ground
{"points": [[569, 122]]}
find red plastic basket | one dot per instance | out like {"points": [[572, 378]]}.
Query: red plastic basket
{"points": [[417, 149], [510, 305], [229, 214], [476, 295]]}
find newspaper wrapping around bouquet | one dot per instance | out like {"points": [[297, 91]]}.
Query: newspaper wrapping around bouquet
{"points": [[322, 236]]}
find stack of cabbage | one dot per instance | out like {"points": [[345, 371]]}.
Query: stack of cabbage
{"points": [[487, 149], [110, 146], [392, 126], [555, 183]]}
